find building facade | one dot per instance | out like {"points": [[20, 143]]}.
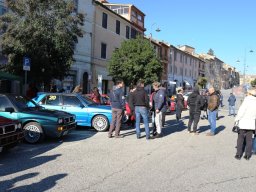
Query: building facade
{"points": [[185, 66]]}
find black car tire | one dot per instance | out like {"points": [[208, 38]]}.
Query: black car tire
{"points": [[100, 123], [33, 133]]}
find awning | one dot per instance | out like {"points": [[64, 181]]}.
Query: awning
{"points": [[8, 76]]}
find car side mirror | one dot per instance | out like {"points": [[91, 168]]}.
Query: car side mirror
{"points": [[9, 109]]}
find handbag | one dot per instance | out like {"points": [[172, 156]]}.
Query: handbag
{"points": [[235, 128]]}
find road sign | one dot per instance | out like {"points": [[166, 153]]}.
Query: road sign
{"points": [[26, 64]]}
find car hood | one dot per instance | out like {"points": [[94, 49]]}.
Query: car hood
{"points": [[46, 112], [4, 121]]}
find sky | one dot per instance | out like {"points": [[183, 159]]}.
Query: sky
{"points": [[226, 26]]}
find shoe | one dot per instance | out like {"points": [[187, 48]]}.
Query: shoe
{"points": [[238, 157], [247, 157], [138, 136], [154, 133], [195, 133], [110, 136], [149, 138], [157, 136], [209, 134], [189, 131], [119, 136]]}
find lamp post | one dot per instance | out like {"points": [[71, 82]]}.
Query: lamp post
{"points": [[43, 69]]}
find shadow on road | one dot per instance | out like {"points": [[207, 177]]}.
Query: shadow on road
{"points": [[172, 127], [43, 185]]}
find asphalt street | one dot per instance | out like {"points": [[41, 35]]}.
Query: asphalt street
{"points": [[87, 160]]}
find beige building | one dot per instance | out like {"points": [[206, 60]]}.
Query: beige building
{"points": [[113, 24], [213, 70], [185, 66], [247, 79], [230, 77]]}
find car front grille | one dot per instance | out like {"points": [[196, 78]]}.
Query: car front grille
{"points": [[69, 119], [7, 129]]}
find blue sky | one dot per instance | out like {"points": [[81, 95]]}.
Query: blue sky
{"points": [[226, 26]]}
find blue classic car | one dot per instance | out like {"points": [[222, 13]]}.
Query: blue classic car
{"points": [[36, 121], [87, 112]]}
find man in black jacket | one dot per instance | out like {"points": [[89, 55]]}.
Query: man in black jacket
{"points": [[179, 104], [195, 103], [140, 104], [117, 101]]}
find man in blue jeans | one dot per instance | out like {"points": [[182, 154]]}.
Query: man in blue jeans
{"points": [[140, 104], [231, 104], [213, 105]]}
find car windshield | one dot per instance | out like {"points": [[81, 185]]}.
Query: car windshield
{"points": [[88, 100], [23, 103]]}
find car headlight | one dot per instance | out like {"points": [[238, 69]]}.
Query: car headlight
{"points": [[18, 126], [60, 121]]}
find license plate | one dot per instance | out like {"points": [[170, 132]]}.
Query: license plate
{"points": [[65, 133], [1, 149]]}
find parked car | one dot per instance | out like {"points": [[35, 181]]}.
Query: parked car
{"points": [[87, 112], [36, 121], [11, 133]]}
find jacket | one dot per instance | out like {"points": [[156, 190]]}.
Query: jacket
{"points": [[117, 99], [213, 102], [160, 100], [246, 115], [139, 98], [180, 101], [195, 102], [232, 100]]}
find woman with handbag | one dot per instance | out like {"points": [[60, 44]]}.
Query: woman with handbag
{"points": [[245, 120]]}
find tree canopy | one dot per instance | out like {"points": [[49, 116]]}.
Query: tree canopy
{"points": [[253, 83], [134, 60], [46, 31]]}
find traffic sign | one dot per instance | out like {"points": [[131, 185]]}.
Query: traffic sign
{"points": [[26, 64]]}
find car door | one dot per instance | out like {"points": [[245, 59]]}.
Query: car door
{"points": [[73, 105]]}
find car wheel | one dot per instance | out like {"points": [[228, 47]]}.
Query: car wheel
{"points": [[33, 133], [125, 118], [100, 123]]}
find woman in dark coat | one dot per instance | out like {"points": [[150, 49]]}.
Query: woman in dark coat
{"points": [[179, 104], [195, 103]]}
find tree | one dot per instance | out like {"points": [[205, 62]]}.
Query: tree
{"points": [[46, 31], [202, 81], [134, 60], [253, 83], [211, 52]]}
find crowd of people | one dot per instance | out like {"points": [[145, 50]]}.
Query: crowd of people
{"points": [[204, 105]]}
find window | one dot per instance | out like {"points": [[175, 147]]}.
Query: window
{"points": [[127, 32], [104, 20], [117, 27], [133, 33], [4, 103], [51, 100], [103, 50], [71, 101]]}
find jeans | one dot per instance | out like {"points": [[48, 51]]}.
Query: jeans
{"points": [[232, 110], [159, 123], [142, 111], [212, 120]]}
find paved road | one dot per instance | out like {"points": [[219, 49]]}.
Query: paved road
{"points": [[89, 161]]}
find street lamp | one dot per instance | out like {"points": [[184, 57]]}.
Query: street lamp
{"points": [[157, 30]]}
